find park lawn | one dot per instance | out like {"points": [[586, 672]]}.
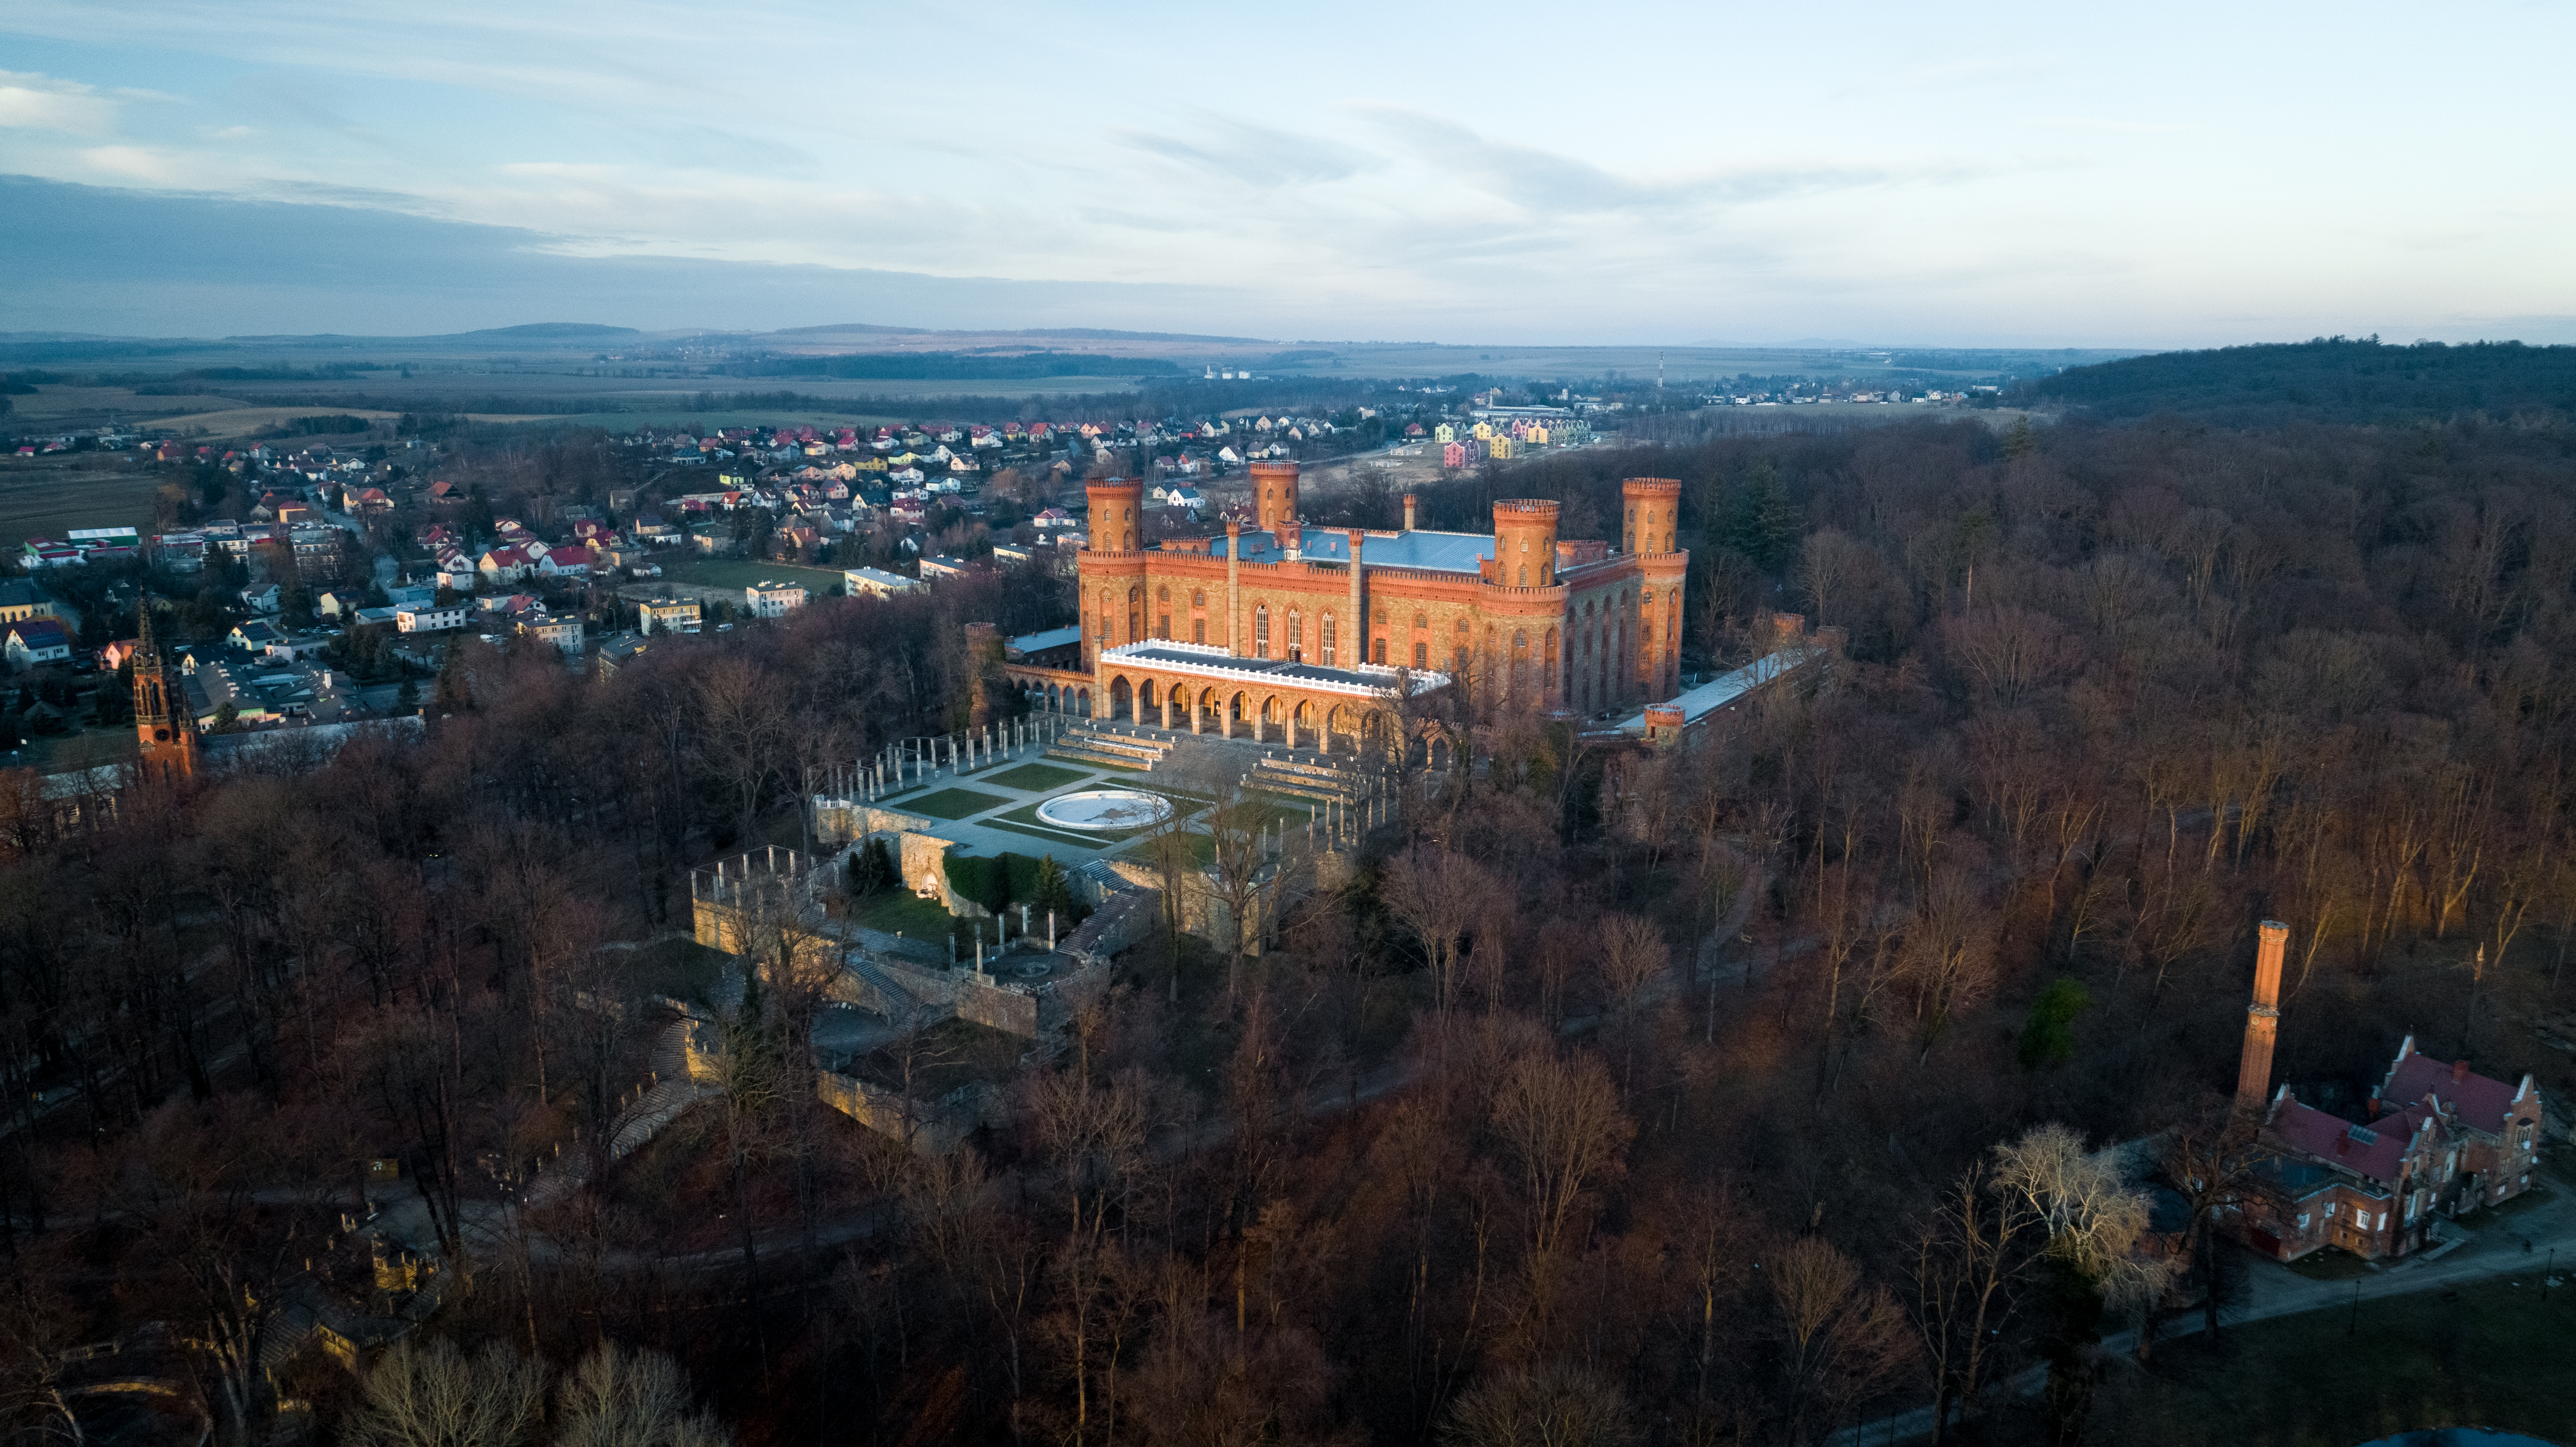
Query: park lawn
{"points": [[896, 910], [743, 572], [1033, 778], [46, 497], [2488, 1355], [949, 803], [1052, 836]]}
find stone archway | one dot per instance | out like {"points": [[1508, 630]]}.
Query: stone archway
{"points": [[1083, 704], [1122, 699]]}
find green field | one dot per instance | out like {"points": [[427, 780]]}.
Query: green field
{"points": [[949, 803], [1033, 778], [2490, 1355], [742, 573], [49, 496]]}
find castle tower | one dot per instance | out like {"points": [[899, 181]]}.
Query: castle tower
{"points": [[1652, 514], [2262, 1018], [1113, 567], [165, 728], [1117, 523], [1525, 543], [1274, 496]]}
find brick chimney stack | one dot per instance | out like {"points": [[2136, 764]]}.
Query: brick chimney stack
{"points": [[1408, 512], [2459, 1071], [2262, 1018]]}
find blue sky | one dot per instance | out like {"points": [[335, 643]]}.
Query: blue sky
{"points": [[2002, 175]]}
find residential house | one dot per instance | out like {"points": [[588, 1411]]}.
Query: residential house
{"points": [[411, 595], [255, 636], [563, 633], [20, 600], [509, 562], [875, 583], [565, 563], [36, 640], [261, 600], [941, 566], [766, 599], [668, 615], [428, 618]]}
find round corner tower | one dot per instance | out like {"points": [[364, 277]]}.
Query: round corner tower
{"points": [[1112, 567], [1117, 514], [1652, 514], [1274, 496], [1525, 542]]}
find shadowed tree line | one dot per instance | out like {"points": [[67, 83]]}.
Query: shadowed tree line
{"points": [[1729, 1095]]}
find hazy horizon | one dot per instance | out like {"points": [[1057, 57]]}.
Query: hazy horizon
{"points": [[1643, 176]]}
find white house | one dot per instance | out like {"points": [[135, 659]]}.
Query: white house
{"points": [[875, 583], [425, 618], [766, 599]]}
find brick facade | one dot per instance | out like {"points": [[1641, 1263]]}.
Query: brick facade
{"points": [[1518, 615], [2438, 1139]]}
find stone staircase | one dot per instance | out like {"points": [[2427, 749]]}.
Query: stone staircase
{"points": [[1304, 779], [1100, 746]]}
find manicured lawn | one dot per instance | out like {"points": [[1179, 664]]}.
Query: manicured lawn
{"points": [[1052, 836], [1033, 778], [2490, 1355], [949, 803], [900, 911]]}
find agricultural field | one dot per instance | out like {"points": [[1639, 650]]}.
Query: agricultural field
{"points": [[49, 496]]}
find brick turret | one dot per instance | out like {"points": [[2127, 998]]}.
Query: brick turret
{"points": [[1117, 514], [1525, 543], [1652, 514], [1274, 499]]}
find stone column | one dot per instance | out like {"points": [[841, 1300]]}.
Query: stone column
{"points": [[1356, 626], [1234, 588]]}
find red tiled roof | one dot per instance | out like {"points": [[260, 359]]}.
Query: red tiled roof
{"points": [[2482, 1103], [2330, 1138]]}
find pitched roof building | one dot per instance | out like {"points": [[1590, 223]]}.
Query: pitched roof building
{"points": [[2437, 1139]]}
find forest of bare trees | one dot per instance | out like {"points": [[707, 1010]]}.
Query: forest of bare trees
{"points": [[1728, 1095]]}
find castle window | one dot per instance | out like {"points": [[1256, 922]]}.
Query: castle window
{"points": [[1198, 599], [1422, 655], [1421, 620], [1330, 642], [1261, 630], [1462, 627], [1198, 630], [1525, 575], [1296, 636]]}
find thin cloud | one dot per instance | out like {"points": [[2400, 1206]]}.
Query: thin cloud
{"points": [[1252, 155], [40, 102]]}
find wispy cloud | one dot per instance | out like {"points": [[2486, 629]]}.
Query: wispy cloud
{"points": [[41, 102]]}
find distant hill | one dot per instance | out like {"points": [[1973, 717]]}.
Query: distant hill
{"points": [[2326, 380], [953, 366], [539, 330]]}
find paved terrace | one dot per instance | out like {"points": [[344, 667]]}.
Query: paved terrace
{"points": [[991, 809]]}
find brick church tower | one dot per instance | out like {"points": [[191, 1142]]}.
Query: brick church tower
{"points": [[164, 725]]}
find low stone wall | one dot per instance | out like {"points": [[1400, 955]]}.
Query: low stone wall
{"points": [[1120, 921], [934, 1127], [995, 1008]]}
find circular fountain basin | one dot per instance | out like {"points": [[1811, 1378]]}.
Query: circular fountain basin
{"points": [[1098, 810]]}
